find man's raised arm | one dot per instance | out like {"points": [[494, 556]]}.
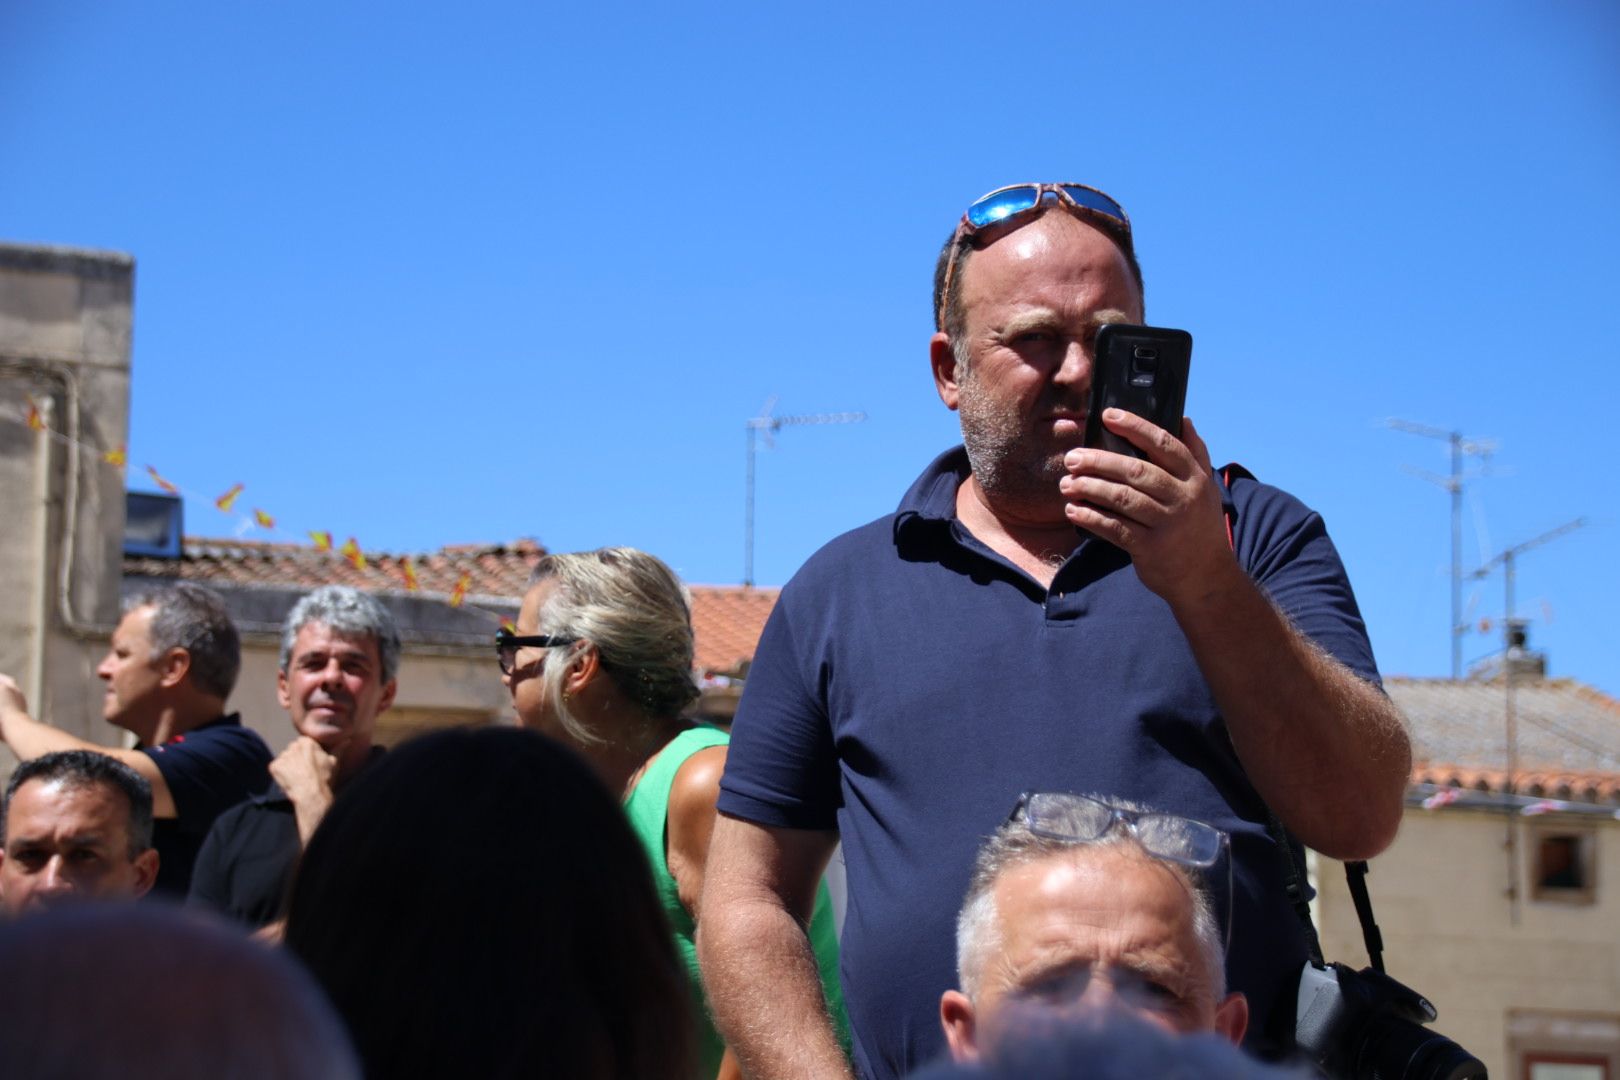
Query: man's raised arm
{"points": [[758, 967], [1327, 750]]}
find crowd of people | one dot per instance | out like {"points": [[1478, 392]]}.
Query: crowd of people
{"points": [[1157, 665]]}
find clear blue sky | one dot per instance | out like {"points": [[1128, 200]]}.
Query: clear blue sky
{"points": [[430, 275]]}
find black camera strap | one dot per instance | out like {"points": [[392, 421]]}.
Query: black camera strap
{"points": [[1294, 882], [1356, 874]]}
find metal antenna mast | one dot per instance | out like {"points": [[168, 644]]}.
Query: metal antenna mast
{"points": [[1513, 641], [767, 426], [1453, 484]]}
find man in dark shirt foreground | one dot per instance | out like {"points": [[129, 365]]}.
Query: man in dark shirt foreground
{"points": [[1035, 616]]}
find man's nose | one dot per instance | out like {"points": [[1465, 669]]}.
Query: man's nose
{"points": [[54, 879], [332, 673], [1075, 370]]}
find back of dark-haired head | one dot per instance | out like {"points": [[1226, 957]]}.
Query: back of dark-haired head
{"points": [[188, 616], [152, 992], [86, 768], [475, 904]]}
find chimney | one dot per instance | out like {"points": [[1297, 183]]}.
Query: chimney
{"points": [[1518, 657]]}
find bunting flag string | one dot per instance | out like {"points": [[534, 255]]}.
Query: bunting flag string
{"points": [[228, 500], [33, 417], [458, 595]]}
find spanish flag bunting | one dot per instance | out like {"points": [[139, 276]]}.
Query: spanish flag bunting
{"points": [[458, 595], [323, 540], [351, 551], [411, 584], [228, 500], [36, 422], [264, 520], [116, 456], [160, 482], [509, 626]]}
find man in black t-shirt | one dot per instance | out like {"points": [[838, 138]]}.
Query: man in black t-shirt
{"points": [[339, 656], [171, 666]]}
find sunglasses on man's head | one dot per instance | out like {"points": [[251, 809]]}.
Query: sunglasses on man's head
{"points": [[507, 644], [1008, 205], [1018, 200]]}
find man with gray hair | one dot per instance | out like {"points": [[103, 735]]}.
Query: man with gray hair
{"points": [[1080, 905], [339, 658], [171, 666]]}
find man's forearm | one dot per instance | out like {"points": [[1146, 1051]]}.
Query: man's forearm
{"points": [[29, 739], [763, 986], [1327, 751]]}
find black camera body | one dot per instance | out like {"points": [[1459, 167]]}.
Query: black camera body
{"points": [[1364, 1024]]}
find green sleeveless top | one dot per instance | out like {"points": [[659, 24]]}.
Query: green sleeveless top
{"points": [[648, 808]]}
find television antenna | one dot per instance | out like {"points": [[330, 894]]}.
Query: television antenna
{"points": [[1513, 643], [1460, 446], [765, 426]]}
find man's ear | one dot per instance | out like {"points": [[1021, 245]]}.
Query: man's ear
{"points": [[283, 691], [173, 667], [146, 870], [942, 358], [1232, 1018], [961, 1033], [387, 700]]}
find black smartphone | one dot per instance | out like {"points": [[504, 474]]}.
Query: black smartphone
{"points": [[1141, 369]]}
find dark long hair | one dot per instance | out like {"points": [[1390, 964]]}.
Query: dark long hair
{"points": [[475, 904]]}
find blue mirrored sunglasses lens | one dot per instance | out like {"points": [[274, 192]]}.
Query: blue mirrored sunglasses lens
{"points": [[1094, 200], [1002, 204]]}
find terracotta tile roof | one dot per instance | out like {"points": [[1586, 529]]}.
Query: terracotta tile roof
{"points": [[498, 571], [1568, 736], [726, 619]]}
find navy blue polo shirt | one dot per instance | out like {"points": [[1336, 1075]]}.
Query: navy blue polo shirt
{"points": [[910, 683], [209, 769]]}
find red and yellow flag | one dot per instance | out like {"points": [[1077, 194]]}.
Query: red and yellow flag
{"points": [[351, 551], [411, 584], [323, 540], [36, 422], [509, 626], [116, 456], [160, 482], [264, 520], [228, 500], [458, 595]]}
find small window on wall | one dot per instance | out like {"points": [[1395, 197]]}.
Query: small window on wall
{"points": [[1565, 1067], [1564, 867]]}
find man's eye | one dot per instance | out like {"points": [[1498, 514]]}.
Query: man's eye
{"points": [[85, 856]]}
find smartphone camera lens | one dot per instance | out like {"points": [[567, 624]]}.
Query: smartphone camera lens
{"points": [[1144, 364]]}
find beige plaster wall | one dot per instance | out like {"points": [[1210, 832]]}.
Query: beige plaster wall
{"points": [[65, 334], [1440, 897]]}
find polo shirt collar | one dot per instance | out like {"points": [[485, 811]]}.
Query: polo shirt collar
{"points": [[932, 498]]}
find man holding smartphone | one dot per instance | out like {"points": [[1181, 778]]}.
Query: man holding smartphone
{"points": [[1035, 616]]}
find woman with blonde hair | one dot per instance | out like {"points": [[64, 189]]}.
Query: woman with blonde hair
{"points": [[602, 661]]}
